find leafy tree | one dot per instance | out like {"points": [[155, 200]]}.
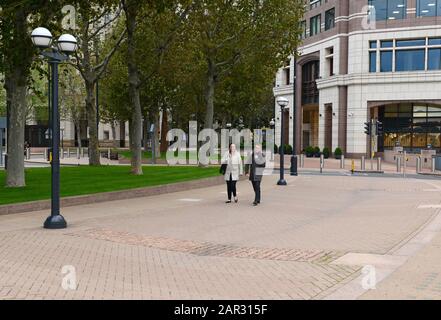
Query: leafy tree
{"points": [[95, 19], [72, 102], [162, 19], [227, 32], [17, 18]]}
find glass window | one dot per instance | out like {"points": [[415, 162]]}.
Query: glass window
{"points": [[411, 43], [387, 43], [434, 62], [388, 9], [373, 44], [434, 139], [410, 60], [378, 8], [396, 9], [373, 61], [386, 61], [330, 19], [315, 25], [427, 8], [420, 111], [314, 4], [405, 107], [435, 41], [303, 28]]}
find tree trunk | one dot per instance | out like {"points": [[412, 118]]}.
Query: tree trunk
{"points": [[146, 133], [94, 154], [156, 135], [16, 86], [209, 95], [112, 126], [78, 127], [131, 9], [164, 131]]}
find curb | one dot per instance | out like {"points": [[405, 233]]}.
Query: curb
{"points": [[112, 196]]}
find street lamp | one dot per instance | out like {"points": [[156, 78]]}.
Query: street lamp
{"points": [[55, 53], [272, 126], [283, 103]]}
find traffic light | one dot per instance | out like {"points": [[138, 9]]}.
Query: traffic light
{"points": [[380, 130], [367, 128]]}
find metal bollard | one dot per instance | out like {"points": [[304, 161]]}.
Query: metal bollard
{"points": [[363, 163], [78, 153], [46, 153], [62, 153], [378, 164], [302, 161], [405, 163], [82, 152], [418, 164], [68, 152], [322, 163], [398, 159], [342, 162], [28, 154], [433, 165]]}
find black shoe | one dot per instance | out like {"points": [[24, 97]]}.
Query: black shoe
{"points": [[255, 204], [229, 201], [236, 200]]}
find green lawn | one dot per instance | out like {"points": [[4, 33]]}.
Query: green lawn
{"points": [[145, 155], [148, 155], [88, 180]]}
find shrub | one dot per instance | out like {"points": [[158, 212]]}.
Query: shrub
{"points": [[326, 153], [276, 149], [338, 153], [309, 151], [288, 149], [317, 152]]}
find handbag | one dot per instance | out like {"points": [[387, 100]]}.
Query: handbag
{"points": [[223, 169]]}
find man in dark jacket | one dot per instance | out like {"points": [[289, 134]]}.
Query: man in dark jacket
{"points": [[255, 165]]}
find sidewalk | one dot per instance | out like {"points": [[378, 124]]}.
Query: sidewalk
{"points": [[191, 245]]}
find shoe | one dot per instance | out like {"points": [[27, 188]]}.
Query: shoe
{"points": [[255, 204], [236, 200], [229, 201]]}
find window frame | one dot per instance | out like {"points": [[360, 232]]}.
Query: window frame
{"points": [[312, 25], [327, 26], [395, 48]]}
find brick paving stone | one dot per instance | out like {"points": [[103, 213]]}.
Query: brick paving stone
{"points": [[161, 248]]}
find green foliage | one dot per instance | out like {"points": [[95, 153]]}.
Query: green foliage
{"points": [[326, 153], [317, 152], [2, 101], [241, 47], [288, 149], [338, 153], [309, 151]]}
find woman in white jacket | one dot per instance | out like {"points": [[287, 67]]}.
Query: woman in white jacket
{"points": [[234, 170]]}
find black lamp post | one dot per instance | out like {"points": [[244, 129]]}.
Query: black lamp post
{"points": [[66, 44], [283, 103], [294, 159], [272, 126]]}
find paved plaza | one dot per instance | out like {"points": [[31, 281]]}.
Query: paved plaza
{"points": [[313, 239]]}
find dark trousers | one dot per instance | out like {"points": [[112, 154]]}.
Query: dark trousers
{"points": [[256, 187], [231, 188]]}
